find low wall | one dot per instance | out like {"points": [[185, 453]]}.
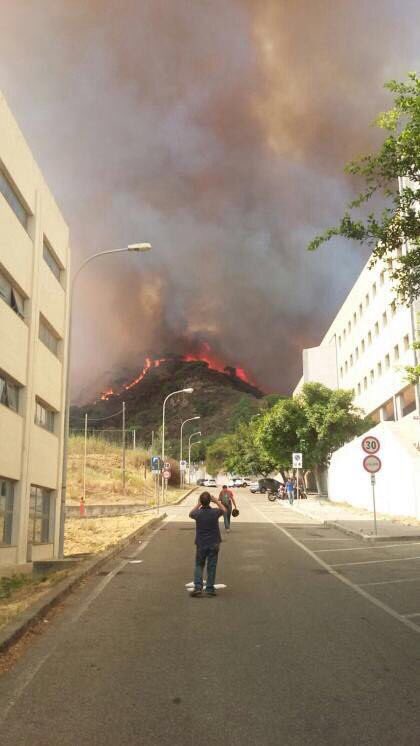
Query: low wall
{"points": [[397, 488], [101, 511]]}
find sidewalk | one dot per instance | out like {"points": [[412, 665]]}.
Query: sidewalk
{"points": [[356, 521]]}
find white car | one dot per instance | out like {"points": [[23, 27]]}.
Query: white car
{"points": [[237, 482], [209, 483]]}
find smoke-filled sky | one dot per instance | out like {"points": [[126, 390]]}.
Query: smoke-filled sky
{"points": [[217, 130]]}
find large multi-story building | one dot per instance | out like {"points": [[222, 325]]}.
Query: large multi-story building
{"points": [[34, 310], [367, 347]]}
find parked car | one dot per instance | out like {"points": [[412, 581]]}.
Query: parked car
{"points": [[254, 487], [209, 483], [267, 483], [237, 482], [200, 482]]}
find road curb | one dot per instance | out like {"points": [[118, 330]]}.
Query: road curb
{"points": [[369, 538], [28, 618]]}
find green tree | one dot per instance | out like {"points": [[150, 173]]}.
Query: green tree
{"points": [[316, 422], [246, 454], [398, 223], [217, 454]]}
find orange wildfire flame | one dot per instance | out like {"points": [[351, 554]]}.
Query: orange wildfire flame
{"points": [[204, 355]]}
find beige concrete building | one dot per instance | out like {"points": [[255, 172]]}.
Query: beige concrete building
{"points": [[34, 309]]}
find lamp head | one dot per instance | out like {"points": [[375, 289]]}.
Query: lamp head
{"points": [[139, 247], [188, 391]]}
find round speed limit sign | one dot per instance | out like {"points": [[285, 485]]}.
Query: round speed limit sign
{"points": [[370, 444]]}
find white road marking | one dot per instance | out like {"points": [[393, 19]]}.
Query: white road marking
{"points": [[216, 585], [379, 546], [28, 675], [397, 580], [135, 562], [375, 562], [356, 588], [417, 613]]}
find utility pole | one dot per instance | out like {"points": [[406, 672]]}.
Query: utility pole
{"points": [[123, 447]]}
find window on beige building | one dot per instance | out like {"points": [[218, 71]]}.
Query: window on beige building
{"points": [[384, 319], [351, 361], [44, 416], [48, 336], [393, 308], [360, 310], [369, 338], [379, 369], [376, 329], [363, 345], [365, 383], [387, 361], [39, 515], [9, 392], [11, 296], [406, 342], [12, 198], [372, 376], [367, 300], [50, 259], [357, 353], [6, 510], [396, 353], [374, 290], [359, 388]]}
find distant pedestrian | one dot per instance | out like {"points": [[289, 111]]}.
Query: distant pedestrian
{"points": [[207, 540], [290, 487], [227, 499]]}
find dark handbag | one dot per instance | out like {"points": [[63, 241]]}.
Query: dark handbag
{"points": [[235, 512]]}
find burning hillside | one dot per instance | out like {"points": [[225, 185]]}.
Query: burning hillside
{"points": [[203, 355]]}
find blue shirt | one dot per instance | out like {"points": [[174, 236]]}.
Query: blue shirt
{"points": [[289, 486], [207, 531]]}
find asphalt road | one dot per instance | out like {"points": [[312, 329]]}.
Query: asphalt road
{"points": [[314, 640]]}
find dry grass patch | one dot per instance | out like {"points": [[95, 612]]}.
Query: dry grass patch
{"points": [[19, 592], [92, 535]]}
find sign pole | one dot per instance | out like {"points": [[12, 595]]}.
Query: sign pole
{"points": [[297, 483], [373, 480]]}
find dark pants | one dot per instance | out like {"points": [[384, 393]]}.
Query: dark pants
{"points": [[203, 555], [226, 516]]}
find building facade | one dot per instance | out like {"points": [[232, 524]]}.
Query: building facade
{"points": [[367, 347], [34, 313]]}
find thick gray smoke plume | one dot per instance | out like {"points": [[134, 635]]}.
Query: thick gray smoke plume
{"points": [[217, 130]]}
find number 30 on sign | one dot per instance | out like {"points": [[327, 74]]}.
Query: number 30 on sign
{"points": [[370, 444]]}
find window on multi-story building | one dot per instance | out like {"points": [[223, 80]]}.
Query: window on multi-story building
{"points": [[11, 296], [376, 329], [341, 372], [12, 198], [48, 337], [346, 367], [393, 308], [365, 383], [344, 335], [363, 345], [339, 341], [359, 388], [354, 319], [44, 416], [379, 369], [51, 261], [349, 327], [396, 353], [357, 353], [372, 376], [6, 510], [384, 319], [382, 277], [406, 342], [369, 338], [367, 300], [360, 310], [374, 290], [9, 392], [39, 515], [351, 361], [387, 361]]}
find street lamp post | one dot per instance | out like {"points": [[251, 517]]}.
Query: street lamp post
{"points": [[180, 391], [189, 453], [137, 247], [180, 446]]}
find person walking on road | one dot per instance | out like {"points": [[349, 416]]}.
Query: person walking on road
{"points": [[290, 490], [207, 540], [227, 499]]}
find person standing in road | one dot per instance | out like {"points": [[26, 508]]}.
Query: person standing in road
{"points": [[207, 540], [227, 499], [290, 490]]}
